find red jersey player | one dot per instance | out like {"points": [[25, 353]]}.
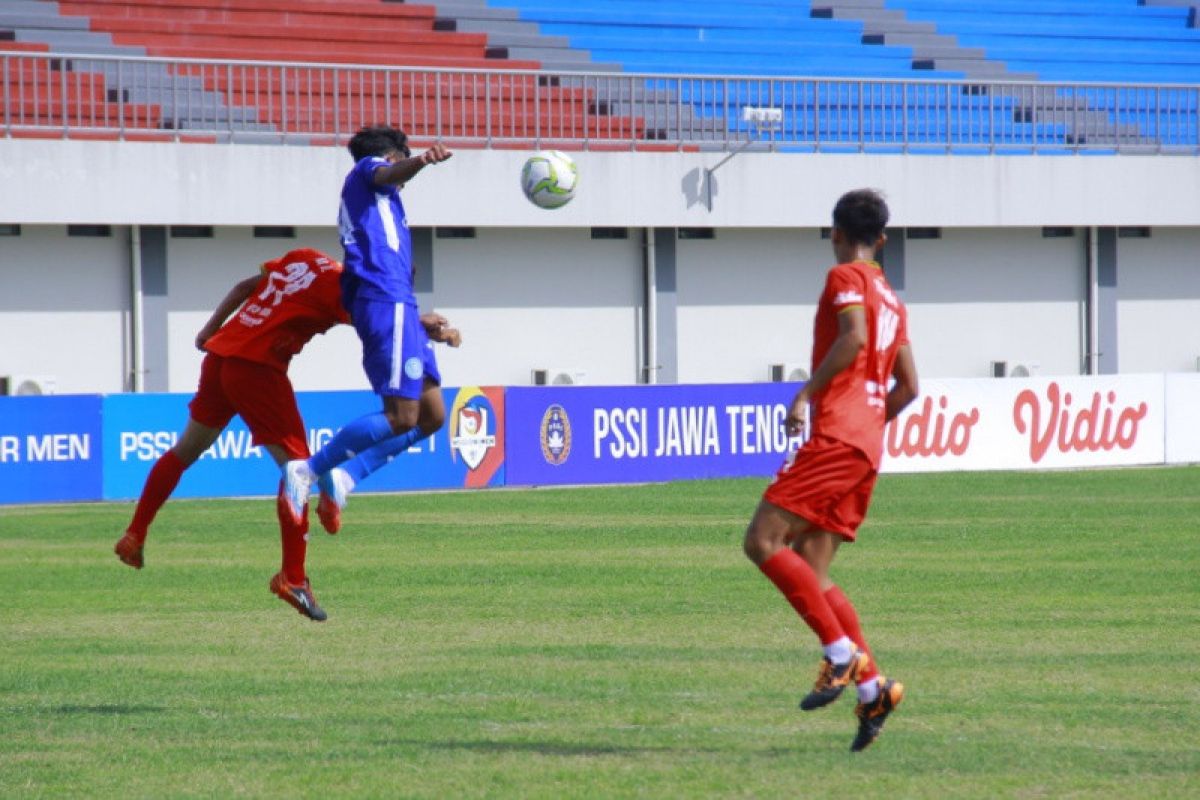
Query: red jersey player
{"points": [[820, 495], [244, 372]]}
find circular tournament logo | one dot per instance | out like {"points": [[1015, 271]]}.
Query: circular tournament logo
{"points": [[556, 435]]}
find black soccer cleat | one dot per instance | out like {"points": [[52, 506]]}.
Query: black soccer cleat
{"points": [[833, 679], [299, 597], [871, 716]]}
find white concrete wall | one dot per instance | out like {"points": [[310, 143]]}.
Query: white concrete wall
{"points": [[201, 271], [1158, 313], [537, 298], [164, 183], [63, 303], [533, 290], [746, 300], [976, 296], [528, 298]]}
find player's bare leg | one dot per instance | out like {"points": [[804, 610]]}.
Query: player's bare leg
{"points": [[160, 483], [768, 543]]}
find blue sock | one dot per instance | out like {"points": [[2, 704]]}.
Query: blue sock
{"points": [[357, 436], [380, 454]]}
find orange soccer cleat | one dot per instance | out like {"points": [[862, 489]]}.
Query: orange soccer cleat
{"points": [[129, 550], [871, 716], [299, 597], [335, 486], [329, 514], [832, 680]]}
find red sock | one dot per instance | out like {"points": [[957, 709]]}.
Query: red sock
{"points": [[295, 540], [162, 480], [848, 617], [792, 575]]}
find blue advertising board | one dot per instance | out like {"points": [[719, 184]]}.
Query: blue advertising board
{"points": [[573, 435], [50, 449], [467, 452], [92, 447]]}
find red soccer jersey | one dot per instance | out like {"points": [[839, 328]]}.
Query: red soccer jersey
{"points": [[298, 297], [851, 408]]}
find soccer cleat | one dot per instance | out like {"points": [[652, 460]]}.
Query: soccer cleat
{"points": [[297, 482], [871, 716], [335, 485], [298, 597], [129, 550], [329, 514], [832, 680]]}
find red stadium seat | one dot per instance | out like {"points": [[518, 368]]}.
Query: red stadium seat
{"points": [[360, 32]]}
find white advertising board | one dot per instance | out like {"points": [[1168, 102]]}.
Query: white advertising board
{"points": [[1031, 423], [1183, 418]]}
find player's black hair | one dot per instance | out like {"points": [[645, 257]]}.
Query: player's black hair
{"points": [[378, 140], [861, 215]]}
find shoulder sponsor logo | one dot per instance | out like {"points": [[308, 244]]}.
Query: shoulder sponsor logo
{"points": [[555, 435], [847, 298]]}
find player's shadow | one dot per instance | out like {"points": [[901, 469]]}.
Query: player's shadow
{"points": [[571, 749], [541, 748], [106, 709]]}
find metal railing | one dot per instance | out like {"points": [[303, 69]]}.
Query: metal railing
{"points": [[131, 98]]}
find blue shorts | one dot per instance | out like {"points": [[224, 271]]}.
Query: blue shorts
{"points": [[397, 353]]}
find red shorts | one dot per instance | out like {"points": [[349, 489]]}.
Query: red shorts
{"points": [[262, 395], [828, 483]]}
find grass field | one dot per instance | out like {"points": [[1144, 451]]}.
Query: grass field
{"points": [[608, 642]]}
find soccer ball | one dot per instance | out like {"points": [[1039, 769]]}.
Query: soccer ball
{"points": [[549, 179]]}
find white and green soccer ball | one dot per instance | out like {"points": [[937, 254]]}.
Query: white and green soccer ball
{"points": [[549, 179]]}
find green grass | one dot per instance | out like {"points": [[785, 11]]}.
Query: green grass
{"points": [[608, 642]]}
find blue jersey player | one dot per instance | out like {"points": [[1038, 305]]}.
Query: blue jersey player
{"points": [[377, 291]]}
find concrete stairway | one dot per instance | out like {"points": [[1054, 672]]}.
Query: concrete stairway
{"points": [[931, 50], [937, 51], [1192, 5], [184, 103], [510, 37]]}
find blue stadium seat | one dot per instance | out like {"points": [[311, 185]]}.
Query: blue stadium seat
{"points": [[1060, 41]]}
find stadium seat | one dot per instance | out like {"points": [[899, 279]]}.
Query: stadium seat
{"points": [[854, 54], [1047, 40], [359, 32], [1076, 41], [42, 94]]}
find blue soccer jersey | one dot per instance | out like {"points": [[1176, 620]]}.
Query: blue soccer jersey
{"points": [[374, 231]]}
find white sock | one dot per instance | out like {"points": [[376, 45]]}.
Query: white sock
{"points": [[839, 651], [868, 691]]}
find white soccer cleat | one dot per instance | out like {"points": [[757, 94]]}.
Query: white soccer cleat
{"points": [[339, 485], [298, 479], [335, 486]]}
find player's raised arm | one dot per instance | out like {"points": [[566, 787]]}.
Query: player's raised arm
{"points": [[234, 298], [905, 389], [403, 170]]}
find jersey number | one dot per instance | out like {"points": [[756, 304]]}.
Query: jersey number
{"points": [[885, 328], [296, 277]]}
